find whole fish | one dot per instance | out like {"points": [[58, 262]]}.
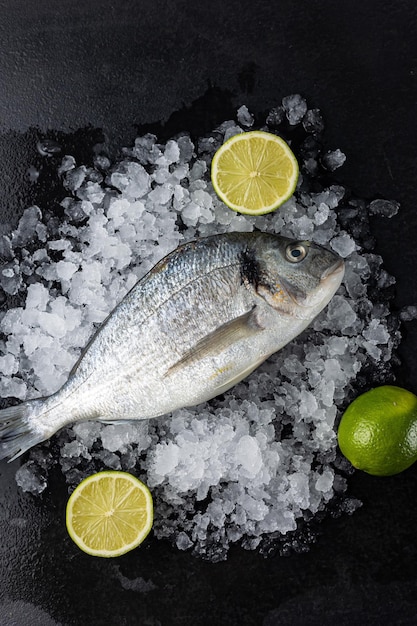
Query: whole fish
{"points": [[199, 322]]}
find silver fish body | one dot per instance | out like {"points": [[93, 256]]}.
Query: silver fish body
{"points": [[199, 322]]}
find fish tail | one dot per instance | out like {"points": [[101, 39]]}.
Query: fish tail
{"points": [[17, 433]]}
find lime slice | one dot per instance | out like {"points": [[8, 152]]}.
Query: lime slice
{"points": [[254, 172], [109, 513]]}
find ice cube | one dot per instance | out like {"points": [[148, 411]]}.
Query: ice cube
{"points": [[10, 278], [131, 178], [172, 152], [275, 116], [313, 121], [343, 244], [65, 270], [295, 108], [26, 230], [299, 489], [31, 478], [8, 364], [248, 455], [68, 163], [6, 250], [384, 208], [333, 159], [376, 332], [325, 481], [408, 313], [244, 117], [183, 542], [186, 147], [74, 178]]}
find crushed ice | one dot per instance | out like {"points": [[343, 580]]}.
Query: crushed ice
{"points": [[251, 466]]}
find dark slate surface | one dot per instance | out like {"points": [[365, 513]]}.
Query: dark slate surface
{"points": [[188, 64]]}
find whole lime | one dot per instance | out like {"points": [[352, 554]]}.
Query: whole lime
{"points": [[378, 431]]}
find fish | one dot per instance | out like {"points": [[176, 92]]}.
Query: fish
{"points": [[200, 321]]}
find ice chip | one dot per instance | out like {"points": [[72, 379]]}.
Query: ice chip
{"points": [[325, 481], [13, 388], [65, 270], [186, 147], [340, 312], [146, 150], [384, 208], [8, 364], [161, 194], [408, 313], [183, 542], [88, 432], [275, 116], [231, 131], [244, 117], [313, 121], [165, 459], [172, 152], [75, 449], [109, 459], [131, 178], [116, 437], [321, 214], [295, 108], [299, 489], [26, 230], [10, 278], [37, 297], [343, 245], [333, 159], [376, 332], [74, 178], [248, 455], [6, 250], [68, 163], [32, 173], [31, 478], [74, 210]]}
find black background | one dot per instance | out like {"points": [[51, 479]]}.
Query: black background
{"points": [[187, 65]]}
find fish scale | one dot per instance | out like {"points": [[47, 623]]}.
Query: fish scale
{"points": [[199, 322]]}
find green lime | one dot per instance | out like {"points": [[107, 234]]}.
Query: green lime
{"points": [[378, 431]]}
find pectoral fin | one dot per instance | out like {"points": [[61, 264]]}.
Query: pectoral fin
{"points": [[214, 343], [231, 382]]}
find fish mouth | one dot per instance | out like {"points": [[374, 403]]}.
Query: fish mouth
{"points": [[337, 268], [330, 281]]}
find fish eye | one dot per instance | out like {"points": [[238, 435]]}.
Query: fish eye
{"points": [[295, 252]]}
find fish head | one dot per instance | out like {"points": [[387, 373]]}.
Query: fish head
{"points": [[297, 278]]}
